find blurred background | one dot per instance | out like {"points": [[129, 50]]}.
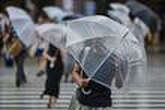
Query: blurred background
{"points": [[90, 7], [152, 97]]}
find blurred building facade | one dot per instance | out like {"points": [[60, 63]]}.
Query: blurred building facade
{"points": [[86, 7]]}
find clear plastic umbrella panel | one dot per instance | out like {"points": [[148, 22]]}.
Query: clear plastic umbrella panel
{"points": [[138, 27], [53, 33], [107, 51], [22, 24]]}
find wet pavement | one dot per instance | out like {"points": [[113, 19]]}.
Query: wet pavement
{"points": [[150, 97]]}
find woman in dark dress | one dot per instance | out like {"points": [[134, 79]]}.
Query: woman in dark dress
{"points": [[54, 70]]}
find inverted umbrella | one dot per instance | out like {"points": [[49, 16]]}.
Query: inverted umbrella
{"points": [[22, 24]]}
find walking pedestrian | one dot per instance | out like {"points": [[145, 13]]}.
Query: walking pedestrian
{"points": [[91, 95], [17, 49], [54, 70]]}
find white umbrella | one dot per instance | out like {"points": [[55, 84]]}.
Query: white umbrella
{"points": [[22, 24]]}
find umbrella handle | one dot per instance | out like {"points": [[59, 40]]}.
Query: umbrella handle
{"points": [[86, 92]]}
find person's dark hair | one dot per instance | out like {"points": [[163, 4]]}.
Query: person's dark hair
{"points": [[58, 54], [131, 16], [6, 13], [42, 14]]}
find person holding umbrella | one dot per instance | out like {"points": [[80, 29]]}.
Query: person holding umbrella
{"points": [[42, 18], [94, 95], [91, 94], [105, 52], [54, 65], [54, 70], [103, 58], [16, 48], [19, 39]]}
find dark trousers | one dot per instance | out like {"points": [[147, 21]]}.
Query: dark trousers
{"points": [[20, 74]]}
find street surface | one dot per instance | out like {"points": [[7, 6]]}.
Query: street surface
{"points": [[151, 97]]}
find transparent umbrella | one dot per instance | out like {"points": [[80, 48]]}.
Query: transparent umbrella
{"points": [[138, 27], [22, 24], [56, 35], [53, 33], [104, 49]]}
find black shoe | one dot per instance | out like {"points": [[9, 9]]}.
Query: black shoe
{"points": [[18, 83], [49, 106], [40, 73], [42, 96], [24, 81]]}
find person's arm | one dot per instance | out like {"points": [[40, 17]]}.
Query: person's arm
{"points": [[77, 78]]}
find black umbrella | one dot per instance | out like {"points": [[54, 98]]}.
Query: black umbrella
{"points": [[143, 12]]}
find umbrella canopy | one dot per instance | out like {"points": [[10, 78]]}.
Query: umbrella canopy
{"points": [[138, 28], [104, 49], [54, 34], [150, 18], [55, 13], [102, 45], [22, 24]]}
